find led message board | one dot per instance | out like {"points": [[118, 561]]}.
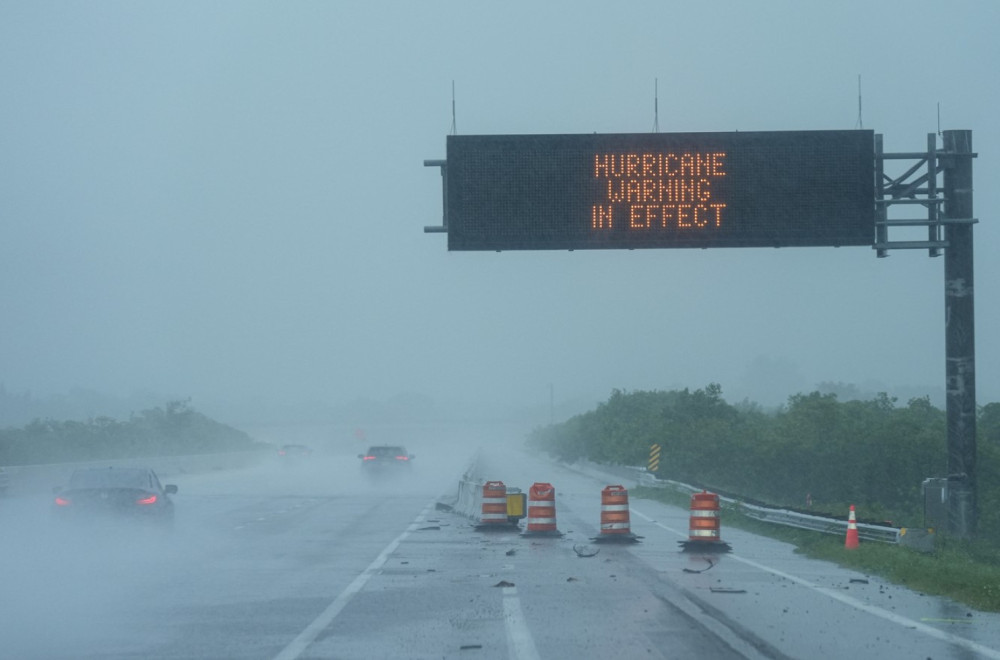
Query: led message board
{"points": [[660, 190]]}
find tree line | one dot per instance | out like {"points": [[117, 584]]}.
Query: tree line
{"points": [[173, 430], [815, 452]]}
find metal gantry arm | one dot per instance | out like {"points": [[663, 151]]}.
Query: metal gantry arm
{"points": [[918, 185]]}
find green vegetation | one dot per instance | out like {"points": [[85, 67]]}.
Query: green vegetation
{"points": [[175, 430], [873, 454]]}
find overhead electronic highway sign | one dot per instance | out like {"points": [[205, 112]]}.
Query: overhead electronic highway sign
{"points": [[660, 190]]}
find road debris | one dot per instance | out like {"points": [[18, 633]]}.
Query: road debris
{"points": [[692, 570]]}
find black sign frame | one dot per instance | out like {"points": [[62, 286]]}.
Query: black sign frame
{"points": [[660, 190]]}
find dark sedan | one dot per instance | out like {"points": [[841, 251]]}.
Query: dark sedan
{"points": [[379, 457], [133, 493]]}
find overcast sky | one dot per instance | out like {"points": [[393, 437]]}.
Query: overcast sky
{"points": [[226, 200]]}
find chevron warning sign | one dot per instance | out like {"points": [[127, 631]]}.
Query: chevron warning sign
{"points": [[654, 458]]}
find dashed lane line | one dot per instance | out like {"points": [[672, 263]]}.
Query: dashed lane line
{"points": [[298, 645], [520, 645]]}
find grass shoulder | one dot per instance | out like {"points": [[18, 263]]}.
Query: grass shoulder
{"points": [[965, 571]]}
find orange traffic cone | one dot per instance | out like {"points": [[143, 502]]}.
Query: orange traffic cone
{"points": [[852, 531]]}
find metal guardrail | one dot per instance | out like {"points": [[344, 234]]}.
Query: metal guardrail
{"points": [[866, 531]]}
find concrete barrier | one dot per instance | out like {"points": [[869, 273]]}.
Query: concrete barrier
{"points": [[469, 498]]}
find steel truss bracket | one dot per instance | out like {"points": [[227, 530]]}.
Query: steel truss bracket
{"points": [[443, 228], [916, 186]]}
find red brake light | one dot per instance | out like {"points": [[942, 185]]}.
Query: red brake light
{"points": [[147, 500], [402, 458], [62, 501], [368, 458]]}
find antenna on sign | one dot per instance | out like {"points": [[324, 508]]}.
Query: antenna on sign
{"points": [[939, 117], [656, 105], [454, 126], [860, 124]]}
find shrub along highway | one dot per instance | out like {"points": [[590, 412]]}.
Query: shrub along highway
{"points": [[315, 559]]}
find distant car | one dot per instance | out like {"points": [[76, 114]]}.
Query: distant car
{"points": [[294, 451], [385, 457], [130, 493]]}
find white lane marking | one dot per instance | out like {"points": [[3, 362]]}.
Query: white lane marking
{"points": [[308, 636], [985, 651], [658, 524], [520, 645]]}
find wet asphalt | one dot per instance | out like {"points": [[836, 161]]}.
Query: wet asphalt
{"points": [[317, 559]]}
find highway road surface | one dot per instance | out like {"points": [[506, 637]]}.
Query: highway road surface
{"points": [[316, 559]]}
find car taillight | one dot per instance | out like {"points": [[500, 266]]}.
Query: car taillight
{"points": [[402, 458], [281, 452], [147, 500], [62, 501], [368, 458]]}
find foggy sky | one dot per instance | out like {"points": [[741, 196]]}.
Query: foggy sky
{"points": [[226, 201]]}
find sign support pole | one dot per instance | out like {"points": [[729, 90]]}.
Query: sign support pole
{"points": [[960, 344]]}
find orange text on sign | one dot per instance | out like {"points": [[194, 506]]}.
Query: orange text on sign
{"points": [[659, 190]]}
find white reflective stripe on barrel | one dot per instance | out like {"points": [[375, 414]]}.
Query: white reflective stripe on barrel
{"points": [[705, 514], [541, 521], [614, 507], [614, 525], [705, 532]]}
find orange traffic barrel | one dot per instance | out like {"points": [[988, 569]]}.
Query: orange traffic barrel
{"points": [[704, 527], [494, 513], [615, 524], [542, 510]]}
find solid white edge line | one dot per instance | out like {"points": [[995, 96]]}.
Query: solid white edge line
{"points": [[520, 645], [847, 600], [298, 645]]}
